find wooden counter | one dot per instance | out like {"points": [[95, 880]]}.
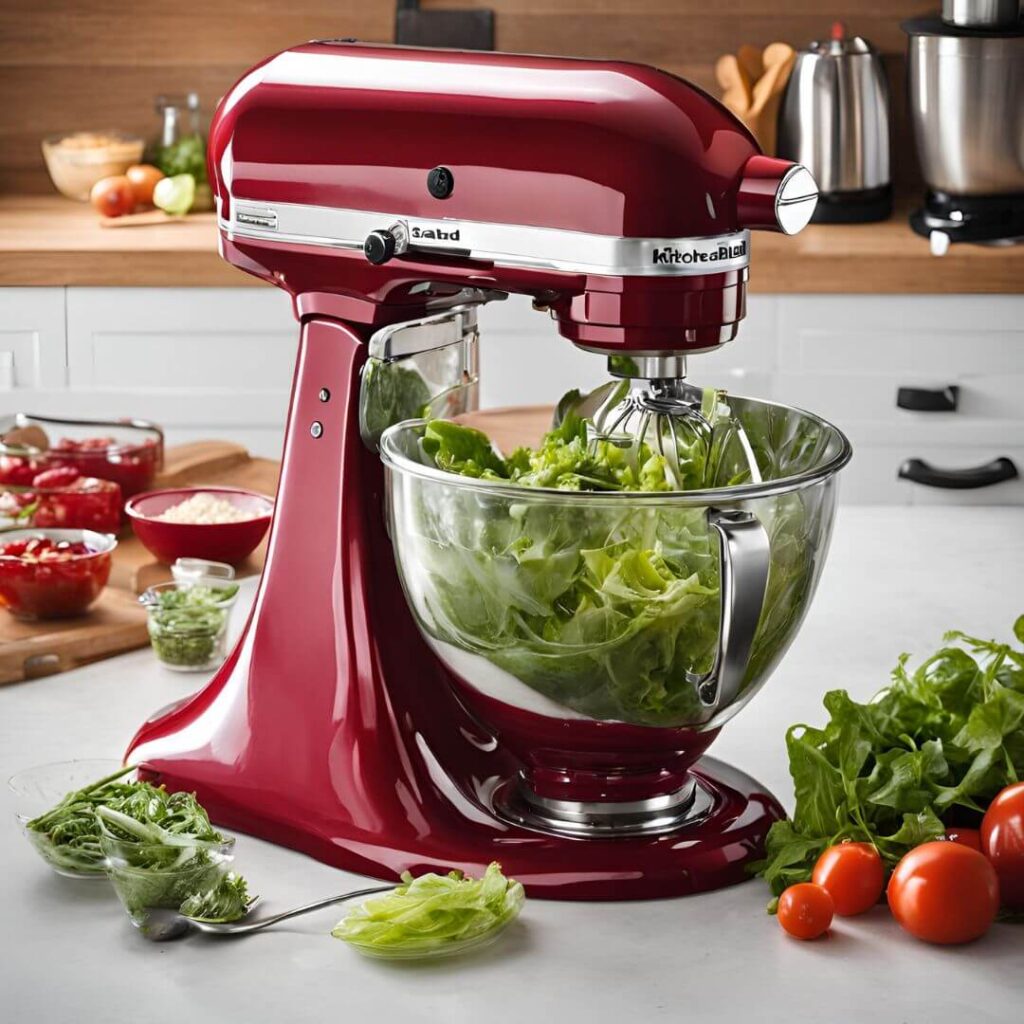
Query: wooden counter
{"points": [[52, 241]]}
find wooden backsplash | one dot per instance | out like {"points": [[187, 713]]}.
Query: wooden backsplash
{"points": [[77, 64]]}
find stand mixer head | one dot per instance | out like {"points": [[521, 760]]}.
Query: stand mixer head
{"points": [[392, 191]]}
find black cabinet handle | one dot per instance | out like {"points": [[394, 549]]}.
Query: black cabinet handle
{"points": [[929, 399], [994, 472]]}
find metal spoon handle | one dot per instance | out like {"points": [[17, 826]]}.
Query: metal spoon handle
{"points": [[244, 928]]}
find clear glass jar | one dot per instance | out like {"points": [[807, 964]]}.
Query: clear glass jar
{"points": [[188, 622], [180, 147]]}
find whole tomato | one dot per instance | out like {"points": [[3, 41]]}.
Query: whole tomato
{"points": [[113, 196], [16, 471], [59, 476], [965, 836], [854, 875], [805, 910], [945, 893], [1002, 841]]}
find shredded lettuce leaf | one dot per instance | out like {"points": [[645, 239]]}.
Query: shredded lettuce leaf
{"points": [[433, 914], [604, 607]]}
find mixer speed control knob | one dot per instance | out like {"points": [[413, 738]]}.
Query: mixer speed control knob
{"points": [[386, 243]]}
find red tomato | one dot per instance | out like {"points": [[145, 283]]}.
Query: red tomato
{"points": [[1002, 841], [60, 476], [113, 196], [945, 893], [16, 471], [143, 178], [965, 837], [805, 910], [854, 875]]}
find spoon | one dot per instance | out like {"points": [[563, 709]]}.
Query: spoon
{"points": [[163, 924]]}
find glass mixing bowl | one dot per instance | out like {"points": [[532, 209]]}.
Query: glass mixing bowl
{"points": [[605, 638]]}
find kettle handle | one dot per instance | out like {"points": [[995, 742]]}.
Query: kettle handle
{"points": [[743, 561]]}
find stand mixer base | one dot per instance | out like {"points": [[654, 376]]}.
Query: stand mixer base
{"points": [[656, 816], [730, 818]]}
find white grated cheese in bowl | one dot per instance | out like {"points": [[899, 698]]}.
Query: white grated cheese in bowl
{"points": [[205, 508]]}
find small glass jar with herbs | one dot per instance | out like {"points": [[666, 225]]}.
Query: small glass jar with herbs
{"points": [[188, 622]]}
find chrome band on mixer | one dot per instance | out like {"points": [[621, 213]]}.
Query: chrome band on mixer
{"points": [[507, 245]]}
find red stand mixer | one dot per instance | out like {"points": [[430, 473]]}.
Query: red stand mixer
{"points": [[390, 192]]}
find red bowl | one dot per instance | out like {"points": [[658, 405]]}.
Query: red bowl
{"points": [[217, 542], [54, 590]]}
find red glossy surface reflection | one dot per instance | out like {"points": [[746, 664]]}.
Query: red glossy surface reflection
{"points": [[603, 147], [331, 727]]}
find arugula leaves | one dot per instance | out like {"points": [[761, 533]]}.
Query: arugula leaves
{"points": [[228, 901], [939, 741]]}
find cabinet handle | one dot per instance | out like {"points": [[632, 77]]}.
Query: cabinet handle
{"points": [[929, 399], [994, 472]]}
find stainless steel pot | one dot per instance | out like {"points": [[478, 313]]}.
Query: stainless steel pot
{"points": [[980, 13], [966, 91]]}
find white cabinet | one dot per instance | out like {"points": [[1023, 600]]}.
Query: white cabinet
{"points": [[211, 362], [32, 341], [846, 357], [202, 362]]}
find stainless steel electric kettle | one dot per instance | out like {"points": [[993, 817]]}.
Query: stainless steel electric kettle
{"points": [[835, 121]]}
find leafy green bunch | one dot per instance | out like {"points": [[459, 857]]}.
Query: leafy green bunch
{"points": [[68, 835], [933, 747], [158, 848]]}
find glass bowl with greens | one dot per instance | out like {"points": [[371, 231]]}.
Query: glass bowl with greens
{"points": [[188, 622], [593, 614], [55, 806], [160, 849], [164, 875]]}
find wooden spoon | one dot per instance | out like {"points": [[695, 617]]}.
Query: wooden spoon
{"points": [[779, 59], [736, 84]]}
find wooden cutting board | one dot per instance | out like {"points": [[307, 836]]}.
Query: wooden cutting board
{"points": [[117, 623], [511, 428]]}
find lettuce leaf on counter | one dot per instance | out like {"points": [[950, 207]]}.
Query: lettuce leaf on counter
{"points": [[433, 914], [935, 745]]}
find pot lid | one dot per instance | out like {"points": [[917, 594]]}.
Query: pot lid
{"points": [[933, 25]]}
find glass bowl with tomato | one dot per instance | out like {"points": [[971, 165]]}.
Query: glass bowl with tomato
{"points": [[126, 452], [63, 498], [53, 574]]}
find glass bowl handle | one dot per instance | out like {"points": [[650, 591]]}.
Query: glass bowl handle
{"points": [[743, 581]]}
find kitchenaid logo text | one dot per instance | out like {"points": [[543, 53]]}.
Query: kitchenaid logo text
{"points": [[669, 254], [436, 234]]}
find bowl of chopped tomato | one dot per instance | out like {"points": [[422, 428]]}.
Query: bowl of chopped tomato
{"points": [[128, 453], [130, 463], [53, 574], [63, 498]]}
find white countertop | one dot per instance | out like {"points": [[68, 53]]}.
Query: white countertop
{"points": [[896, 580]]}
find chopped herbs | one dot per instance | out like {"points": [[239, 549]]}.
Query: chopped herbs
{"points": [[187, 624]]}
